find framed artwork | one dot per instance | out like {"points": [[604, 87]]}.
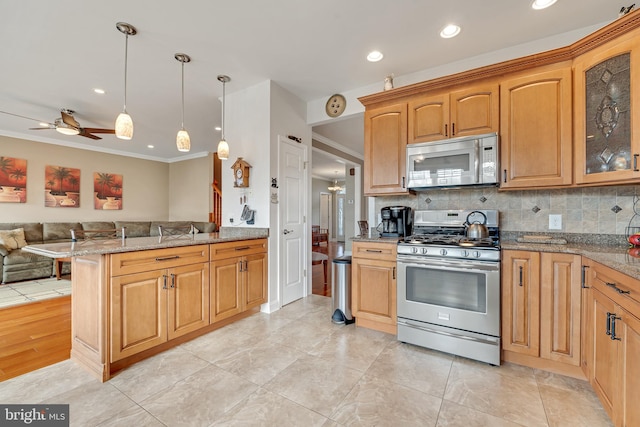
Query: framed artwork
{"points": [[107, 191], [61, 187], [13, 180]]}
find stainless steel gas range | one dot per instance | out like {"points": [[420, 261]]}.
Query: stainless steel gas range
{"points": [[449, 285]]}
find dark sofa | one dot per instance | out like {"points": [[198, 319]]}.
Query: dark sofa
{"points": [[17, 265]]}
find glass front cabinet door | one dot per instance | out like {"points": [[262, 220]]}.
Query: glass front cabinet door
{"points": [[607, 113]]}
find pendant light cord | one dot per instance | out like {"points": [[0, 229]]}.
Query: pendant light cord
{"points": [[223, 102], [126, 55], [182, 95]]}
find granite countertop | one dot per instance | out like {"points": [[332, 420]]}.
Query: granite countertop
{"points": [[616, 257], [130, 244]]}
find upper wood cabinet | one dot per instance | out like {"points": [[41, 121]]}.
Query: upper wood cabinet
{"points": [[385, 142], [607, 112], [535, 129], [470, 111]]}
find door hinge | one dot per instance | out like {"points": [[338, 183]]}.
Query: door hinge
{"points": [[304, 273], [304, 165]]}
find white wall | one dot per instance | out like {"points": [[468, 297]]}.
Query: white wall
{"points": [[145, 184]]}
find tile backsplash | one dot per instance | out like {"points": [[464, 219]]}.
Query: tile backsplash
{"points": [[601, 210]]}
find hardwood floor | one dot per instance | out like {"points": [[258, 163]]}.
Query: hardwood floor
{"points": [[34, 335], [332, 250]]}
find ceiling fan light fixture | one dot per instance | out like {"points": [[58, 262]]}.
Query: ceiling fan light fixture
{"points": [[450, 31], [183, 142], [65, 129], [124, 123], [223, 146]]}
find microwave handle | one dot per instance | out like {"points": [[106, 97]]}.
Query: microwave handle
{"points": [[476, 162]]}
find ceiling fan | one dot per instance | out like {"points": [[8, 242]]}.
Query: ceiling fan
{"points": [[66, 124]]}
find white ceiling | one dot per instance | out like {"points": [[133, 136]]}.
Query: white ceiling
{"points": [[55, 53]]}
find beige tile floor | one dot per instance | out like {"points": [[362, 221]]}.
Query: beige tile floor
{"points": [[33, 290], [295, 368]]}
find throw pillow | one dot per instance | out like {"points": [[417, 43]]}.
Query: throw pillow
{"points": [[13, 239]]}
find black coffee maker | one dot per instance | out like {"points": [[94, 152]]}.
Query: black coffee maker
{"points": [[396, 221]]}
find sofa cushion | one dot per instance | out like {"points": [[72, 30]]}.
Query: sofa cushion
{"points": [[135, 228], [206, 227], [32, 230], [22, 257], [154, 231], [98, 225], [59, 231], [12, 239]]}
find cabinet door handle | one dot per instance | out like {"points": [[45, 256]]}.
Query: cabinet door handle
{"points": [[240, 264], [608, 330], [446, 130], [521, 274], [394, 273], [584, 277], [403, 183], [635, 163], [173, 281], [504, 176], [167, 258], [453, 129], [164, 281], [246, 266], [613, 327]]}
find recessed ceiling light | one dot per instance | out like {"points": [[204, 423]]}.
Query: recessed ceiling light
{"points": [[449, 31], [43, 124], [374, 56], [99, 91], [542, 4], [149, 146], [218, 128]]}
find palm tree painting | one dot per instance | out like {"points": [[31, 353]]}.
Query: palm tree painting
{"points": [[62, 185], [13, 180], [107, 188]]}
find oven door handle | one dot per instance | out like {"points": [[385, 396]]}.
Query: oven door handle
{"points": [[451, 265], [448, 334]]}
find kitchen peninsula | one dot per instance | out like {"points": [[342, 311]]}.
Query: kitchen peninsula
{"points": [[135, 297]]}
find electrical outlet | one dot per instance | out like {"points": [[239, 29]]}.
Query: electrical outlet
{"points": [[555, 222]]}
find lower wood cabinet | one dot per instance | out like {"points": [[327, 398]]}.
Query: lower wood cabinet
{"points": [[614, 344], [150, 308], [374, 296], [541, 309], [238, 280]]}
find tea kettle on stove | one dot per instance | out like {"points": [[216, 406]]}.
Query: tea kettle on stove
{"points": [[476, 230]]}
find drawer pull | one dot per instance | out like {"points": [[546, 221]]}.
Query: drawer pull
{"points": [[615, 288], [243, 248], [376, 251], [167, 258]]}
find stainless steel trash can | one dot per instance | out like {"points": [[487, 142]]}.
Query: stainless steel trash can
{"points": [[341, 290]]}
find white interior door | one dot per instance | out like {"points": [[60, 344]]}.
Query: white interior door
{"points": [[293, 202]]}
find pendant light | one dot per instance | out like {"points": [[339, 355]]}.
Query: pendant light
{"points": [[223, 147], [183, 142], [124, 124], [335, 186]]}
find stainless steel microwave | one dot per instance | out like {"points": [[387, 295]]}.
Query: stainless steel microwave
{"points": [[469, 160]]}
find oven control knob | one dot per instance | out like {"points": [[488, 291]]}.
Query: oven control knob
{"points": [[443, 252], [465, 253], [424, 251], [414, 250], [476, 254]]}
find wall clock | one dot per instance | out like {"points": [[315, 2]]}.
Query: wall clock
{"points": [[240, 173], [335, 105]]}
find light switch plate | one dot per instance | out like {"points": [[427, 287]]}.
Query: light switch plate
{"points": [[555, 222]]}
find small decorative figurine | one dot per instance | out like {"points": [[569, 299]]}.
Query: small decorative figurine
{"points": [[388, 82]]}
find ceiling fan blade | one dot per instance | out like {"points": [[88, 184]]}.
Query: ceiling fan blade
{"points": [[25, 117], [98, 130], [49, 128], [83, 132], [68, 119]]}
